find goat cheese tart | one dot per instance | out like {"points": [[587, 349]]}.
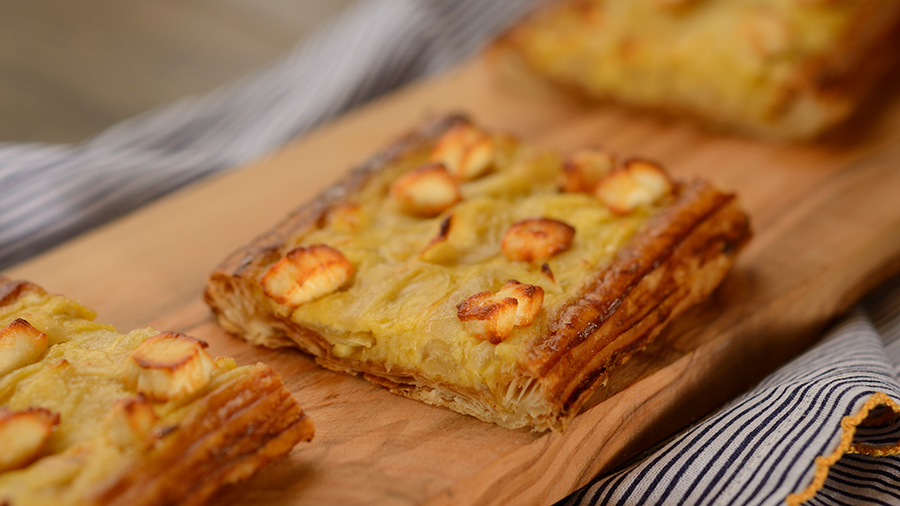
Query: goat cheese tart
{"points": [[471, 270], [89, 416]]}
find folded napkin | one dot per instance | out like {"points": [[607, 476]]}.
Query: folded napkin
{"points": [[821, 429]]}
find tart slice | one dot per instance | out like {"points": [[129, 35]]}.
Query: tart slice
{"points": [[91, 416], [776, 69], [470, 270]]}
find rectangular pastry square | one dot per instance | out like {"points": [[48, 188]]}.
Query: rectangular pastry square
{"points": [[471, 270], [89, 416], [777, 69]]}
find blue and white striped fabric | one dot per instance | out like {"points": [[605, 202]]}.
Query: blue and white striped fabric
{"points": [[765, 447]]}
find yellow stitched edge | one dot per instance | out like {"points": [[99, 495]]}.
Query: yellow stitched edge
{"points": [[848, 424]]}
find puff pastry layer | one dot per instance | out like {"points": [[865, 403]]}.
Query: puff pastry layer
{"points": [[511, 303]]}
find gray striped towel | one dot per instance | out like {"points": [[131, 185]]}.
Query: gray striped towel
{"points": [[51, 193], [823, 429]]}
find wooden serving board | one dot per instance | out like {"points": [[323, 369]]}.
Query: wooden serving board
{"points": [[827, 229]]}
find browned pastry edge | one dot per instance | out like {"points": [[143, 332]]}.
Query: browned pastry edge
{"points": [[306, 217], [837, 81], [11, 290], [229, 435], [225, 437], [233, 282], [673, 262], [676, 262]]}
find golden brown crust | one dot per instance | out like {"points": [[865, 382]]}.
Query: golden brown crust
{"points": [[674, 261], [229, 435], [232, 285], [225, 436], [11, 290], [859, 57], [306, 217]]}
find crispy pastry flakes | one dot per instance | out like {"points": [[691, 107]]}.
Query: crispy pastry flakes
{"points": [[510, 300]]}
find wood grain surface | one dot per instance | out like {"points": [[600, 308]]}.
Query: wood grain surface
{"points": [[826, 218]]}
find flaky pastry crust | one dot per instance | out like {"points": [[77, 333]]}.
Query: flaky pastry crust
{"points": [[675, 259], [117, 446]]}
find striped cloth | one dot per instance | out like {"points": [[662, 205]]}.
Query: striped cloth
{"points": [[831, 410], [51, 193], [776, 443]]}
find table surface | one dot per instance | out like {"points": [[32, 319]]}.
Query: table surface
{"points": [[827, 229]]}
